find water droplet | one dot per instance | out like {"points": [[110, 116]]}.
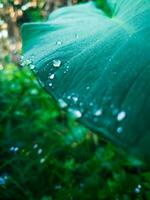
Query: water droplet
{"points": [[25, 62], [35, 146], [75, 113], [121, 115], [67, 69], [119, 129], [62, 103], [42, 160], [75, 99], [88, 87], [59, 42], [52, 76], [40, 151], [14, 149], [138, 189], [32, 66], [50, 84], [98, 112], [69, 97], [56, 63]]}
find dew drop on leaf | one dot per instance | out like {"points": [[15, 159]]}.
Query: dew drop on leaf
{"points": [[75, 99], [69, 97], [119, 129], [75, 113], [56, 63], [87, 88], [59, 42], [25, 62], [121, 115], [98, 112], [52, 76], [62, 103], [32, 66]]}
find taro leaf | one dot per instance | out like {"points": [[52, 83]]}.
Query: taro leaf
{"points": [[98, 67]]}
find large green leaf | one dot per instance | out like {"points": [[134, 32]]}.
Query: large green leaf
{"points": [[98, 67]]}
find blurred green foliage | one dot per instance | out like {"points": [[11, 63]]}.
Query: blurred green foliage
{"points": [[45, 155]]}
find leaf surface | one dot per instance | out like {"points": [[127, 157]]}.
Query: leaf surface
{"points": [[98, 67]]}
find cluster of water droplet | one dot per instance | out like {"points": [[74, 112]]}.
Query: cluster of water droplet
{"points": [[120, 117], [56, 63], [72, 101], [138, 188], [28, 62], [39, 152], [14, 149]]}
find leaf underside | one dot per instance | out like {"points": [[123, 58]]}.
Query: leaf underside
{"points": [[99, 66]]}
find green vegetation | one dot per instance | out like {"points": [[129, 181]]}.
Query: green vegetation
{"points": [[46, 155]]}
